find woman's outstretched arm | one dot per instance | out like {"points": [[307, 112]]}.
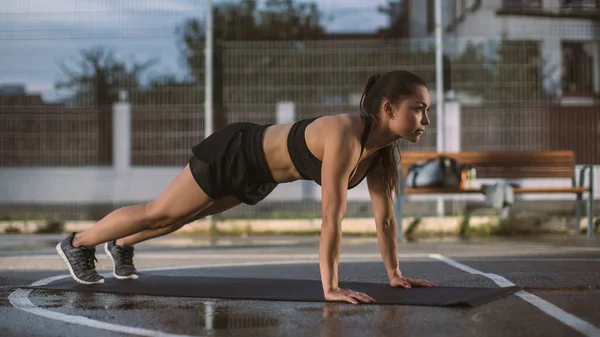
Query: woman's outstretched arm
{"points": [[339, 158], [387, 232], [385, 220]]}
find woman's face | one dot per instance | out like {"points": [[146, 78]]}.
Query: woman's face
{"points": [[409, 117]]}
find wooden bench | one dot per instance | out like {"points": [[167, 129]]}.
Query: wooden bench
{"points": [[511, 165]]}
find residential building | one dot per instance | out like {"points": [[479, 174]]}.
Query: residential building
{"points": [[564, 36]]}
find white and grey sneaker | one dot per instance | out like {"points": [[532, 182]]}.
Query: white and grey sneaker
{"points": [[122, 258], [80, 260]]}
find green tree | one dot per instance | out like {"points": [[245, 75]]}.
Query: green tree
{"points": [[286, 20], [470, 72], [244, 21], [97, 76], [399, 26], [517, 74]]}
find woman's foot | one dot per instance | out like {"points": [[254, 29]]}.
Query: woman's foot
{"points": [[122, 258], [80, 260]]}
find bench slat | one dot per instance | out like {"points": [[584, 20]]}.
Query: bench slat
{"points": [[439, 191], [505, 164], [480, 190], [537, 172], [552, 190], [493, 155]]}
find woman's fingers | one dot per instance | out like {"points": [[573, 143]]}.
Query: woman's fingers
{"points": [[355, 297], [429, 284], [401, 282], [420, 283], [363, 297], [408, 283], [348, 295], [350, 299]]}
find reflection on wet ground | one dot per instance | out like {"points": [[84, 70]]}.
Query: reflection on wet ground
{"points": [[201, 316]]}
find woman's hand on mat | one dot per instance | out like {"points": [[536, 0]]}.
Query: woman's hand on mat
{"points": [[405, 282], [348, 295]]}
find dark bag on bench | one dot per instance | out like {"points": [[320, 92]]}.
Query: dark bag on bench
{"points": [[441, 172]]}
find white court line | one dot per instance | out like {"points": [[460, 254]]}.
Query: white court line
{"points": [[20, 300], [527, 259], [564, 317]]}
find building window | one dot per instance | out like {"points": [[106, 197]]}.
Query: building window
{"points": [[578, 68], [522, 4], [579, 5]]}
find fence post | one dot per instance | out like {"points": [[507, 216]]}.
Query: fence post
{"points": [[451, 139], [121, 133], [452, 126], [439, 89], [596, 67]]}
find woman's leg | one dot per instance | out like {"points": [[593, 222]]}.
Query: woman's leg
{"points": [[182, 200], [218, 207], [122, 252]]}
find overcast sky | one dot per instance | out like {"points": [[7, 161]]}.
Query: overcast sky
{"points": [[36, 34]]}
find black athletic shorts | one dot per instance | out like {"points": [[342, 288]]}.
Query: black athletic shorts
{"points": [[231, 161]]}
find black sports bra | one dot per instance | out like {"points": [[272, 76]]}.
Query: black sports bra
{"points": [[306, 163]]}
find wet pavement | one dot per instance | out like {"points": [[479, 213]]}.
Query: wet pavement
{"points": [[562, 272]]}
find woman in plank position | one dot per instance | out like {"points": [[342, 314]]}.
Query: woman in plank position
{"points": [[244, 162]]}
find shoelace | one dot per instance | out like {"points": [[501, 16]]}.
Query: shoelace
{"points": [[89, 258], [125, 255]]}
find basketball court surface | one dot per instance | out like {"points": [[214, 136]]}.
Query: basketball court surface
{"points": [[555, 286]]}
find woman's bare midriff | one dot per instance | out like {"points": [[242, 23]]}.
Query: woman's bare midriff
{"points": [[278, 158]]}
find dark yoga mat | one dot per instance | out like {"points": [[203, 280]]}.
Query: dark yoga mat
{"points": [[281, 290]]}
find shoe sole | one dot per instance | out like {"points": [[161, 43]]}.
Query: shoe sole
{"points": [[118, 277], [61, 253]]}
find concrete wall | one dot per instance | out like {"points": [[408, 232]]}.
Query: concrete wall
{"points": [[97, 185], [123, 183]]}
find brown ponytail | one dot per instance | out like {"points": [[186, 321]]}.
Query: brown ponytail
{"points": [[394, 86]]}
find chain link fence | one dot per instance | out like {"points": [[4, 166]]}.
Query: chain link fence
{"points": [[533, 86]]}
